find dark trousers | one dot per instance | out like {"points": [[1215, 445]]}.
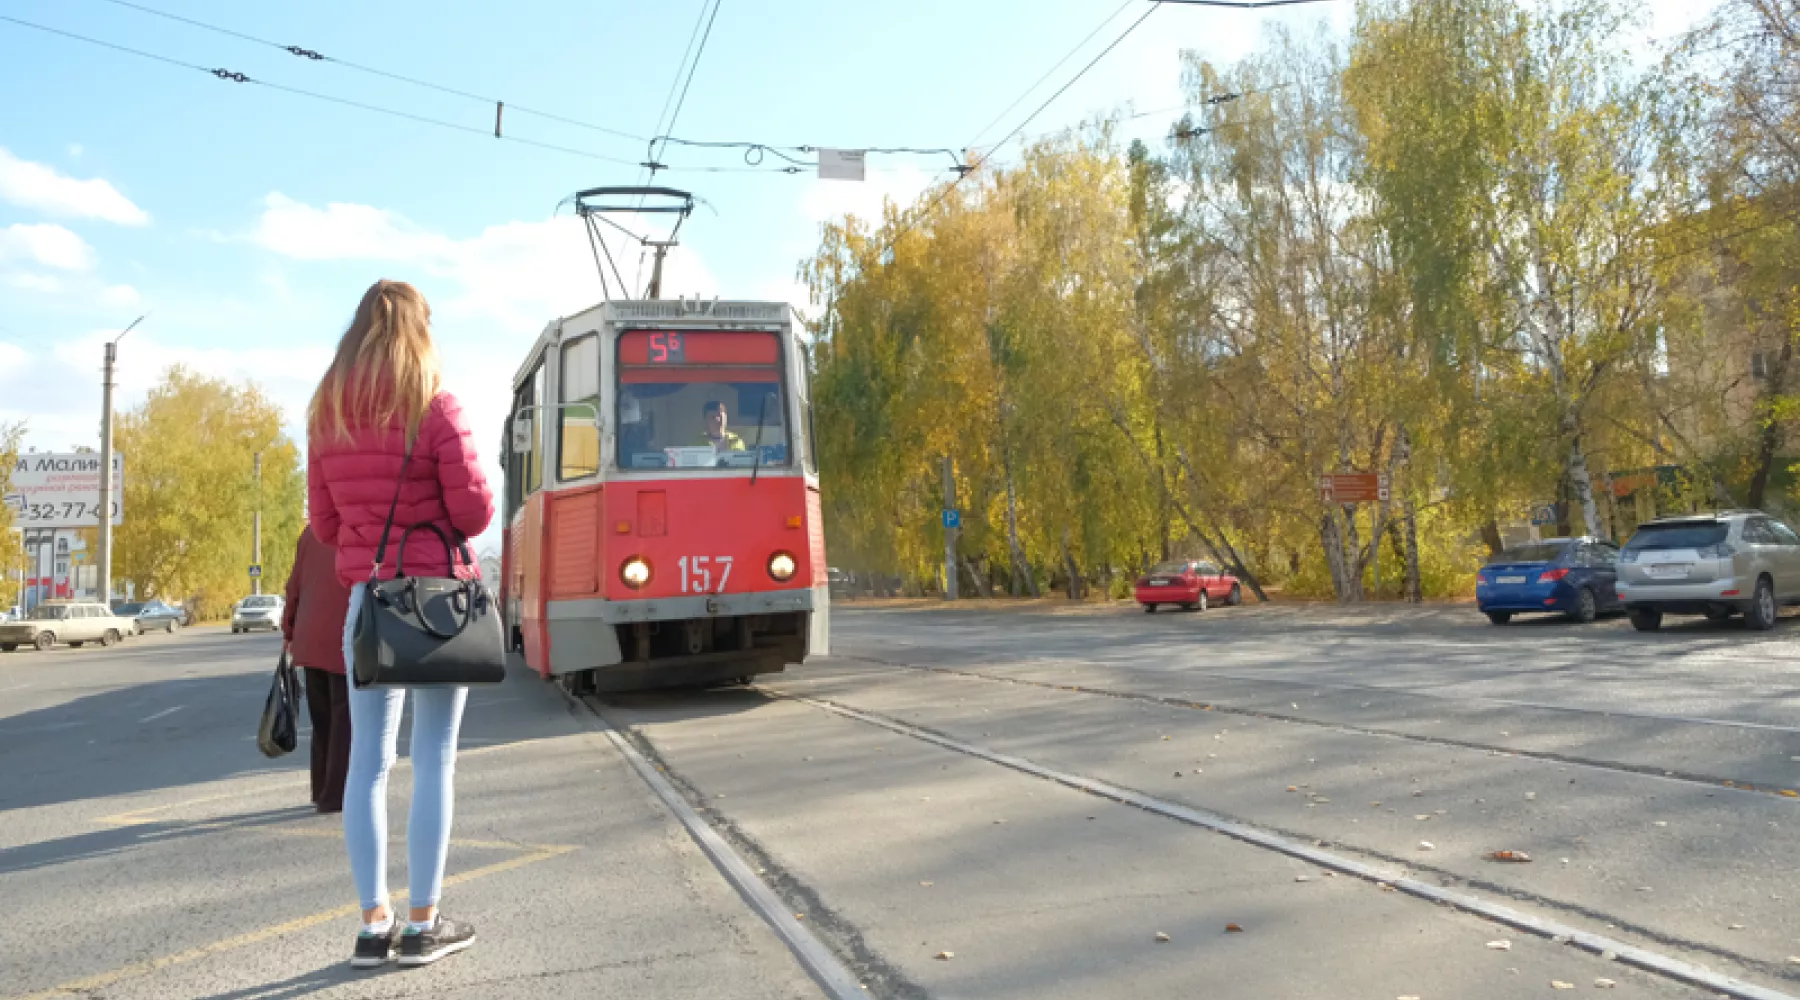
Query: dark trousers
{"points": [[328, 702]]}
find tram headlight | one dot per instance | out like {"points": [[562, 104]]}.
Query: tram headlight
{"points": [[781, 566], [635, 573]]}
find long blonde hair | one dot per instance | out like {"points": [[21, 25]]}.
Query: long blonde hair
{"points": [[386, 368]]}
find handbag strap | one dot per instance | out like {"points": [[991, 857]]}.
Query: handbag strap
{"points": [[399, 481]]}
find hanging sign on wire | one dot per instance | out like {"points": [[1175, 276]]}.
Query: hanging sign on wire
{"points": [[841, 164]]}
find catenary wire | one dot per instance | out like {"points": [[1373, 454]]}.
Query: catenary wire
{"points": [[233, 76], [976, 165], [317, 56]]}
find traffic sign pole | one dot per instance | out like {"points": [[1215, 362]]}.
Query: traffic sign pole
{"points": [[950, 532]]}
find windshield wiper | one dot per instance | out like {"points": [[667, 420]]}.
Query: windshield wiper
{"points": [[762, 414]]}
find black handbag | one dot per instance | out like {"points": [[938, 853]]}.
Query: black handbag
{"points": [[425, 631], [279, 731]]}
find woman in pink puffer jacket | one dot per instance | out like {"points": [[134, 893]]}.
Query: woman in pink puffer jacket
{"points": [[379, 424]]}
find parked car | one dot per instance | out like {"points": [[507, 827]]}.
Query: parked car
{"points": [[1717, 565], [71, 622], [257, 611], [1191, 583], [1573, 577], [151, 616], [842, 583]]}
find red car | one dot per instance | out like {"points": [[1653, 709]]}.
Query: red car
{"points": [[1191, 583]]}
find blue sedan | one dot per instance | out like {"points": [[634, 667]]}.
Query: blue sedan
{"points": [[1574, 577]]}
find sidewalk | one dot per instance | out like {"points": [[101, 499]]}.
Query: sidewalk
{"points": [[230, 888]]}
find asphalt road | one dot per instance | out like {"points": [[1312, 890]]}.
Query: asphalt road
{"points": [[1241, 803]]}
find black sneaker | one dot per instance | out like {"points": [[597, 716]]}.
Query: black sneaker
{"points": [[373, 950], [445, 937]]}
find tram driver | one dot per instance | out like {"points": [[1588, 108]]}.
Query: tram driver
{"points": [[721, 439]]}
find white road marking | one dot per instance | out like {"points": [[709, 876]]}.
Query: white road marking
{"points": [[164, 712]]}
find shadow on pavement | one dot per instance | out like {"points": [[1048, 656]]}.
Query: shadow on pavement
{"points": [[304, 984], [114, 840]]}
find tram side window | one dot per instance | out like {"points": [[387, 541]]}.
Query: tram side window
{"points": [[525, 473], [701, 400], [578, 420]]}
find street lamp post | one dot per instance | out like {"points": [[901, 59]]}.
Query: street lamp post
{"points": [[106, 465], [256, 528]]}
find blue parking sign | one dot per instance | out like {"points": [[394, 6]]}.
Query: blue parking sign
{"points": [[953, 519]]}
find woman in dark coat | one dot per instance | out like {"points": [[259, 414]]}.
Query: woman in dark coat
{"points": [[313, 624]]}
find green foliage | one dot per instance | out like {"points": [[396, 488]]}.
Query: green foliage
{"points": [[191, 491], [1463, 251]]}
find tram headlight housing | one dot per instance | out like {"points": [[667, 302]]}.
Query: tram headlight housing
{"points": [[782, 566], [635, 573]]}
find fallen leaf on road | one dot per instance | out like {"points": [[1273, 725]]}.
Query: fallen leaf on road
{"points": [[1790, 793], [1516, 857], [945, 956], [799, 916], [1737, 927], [926, 884], [1426, 845], [1161, 938], [1557, 984], [1233, 929], [1422, 817], [1302, 878], [1292, 788], [1662, 822], [1530, 796], [1604, 983], [1500, 945]]}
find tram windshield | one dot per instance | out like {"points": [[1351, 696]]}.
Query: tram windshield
{"points": [[701, 400]]}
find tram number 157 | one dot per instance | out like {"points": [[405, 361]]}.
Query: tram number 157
{"points": [[697, 573]]}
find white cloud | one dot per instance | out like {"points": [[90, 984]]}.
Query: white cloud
{"points": [[47, 283], [39, 187], [519, 274], [120, 295], [46, 244]]}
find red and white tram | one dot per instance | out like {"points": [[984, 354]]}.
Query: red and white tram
{"points": [[662, 500]]}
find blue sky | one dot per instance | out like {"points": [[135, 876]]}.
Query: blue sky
{"points": [[247, 221]]}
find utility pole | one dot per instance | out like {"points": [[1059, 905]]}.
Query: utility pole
{"points": [[256, 528], [104, 571], [950, 528]]}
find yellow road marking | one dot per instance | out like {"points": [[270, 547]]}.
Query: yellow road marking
{"points": [[153, 965]]}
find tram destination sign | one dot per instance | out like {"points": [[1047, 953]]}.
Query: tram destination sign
{"points": [[62, 490]]}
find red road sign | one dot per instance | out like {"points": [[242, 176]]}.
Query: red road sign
{"points": [[1353, 487]]}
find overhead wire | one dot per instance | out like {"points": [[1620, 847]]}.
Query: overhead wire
{"points": [[315, 55], [976, 165], [693, 67], [677, 94], [1110, 18], [234, 76]]}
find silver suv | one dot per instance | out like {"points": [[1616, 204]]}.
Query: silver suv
{"points": [[1717, 565]]}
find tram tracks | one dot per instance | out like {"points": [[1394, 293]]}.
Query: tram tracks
{"points": [[1366, 865], [829, 947], [782, 899], [1662, 773]]}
